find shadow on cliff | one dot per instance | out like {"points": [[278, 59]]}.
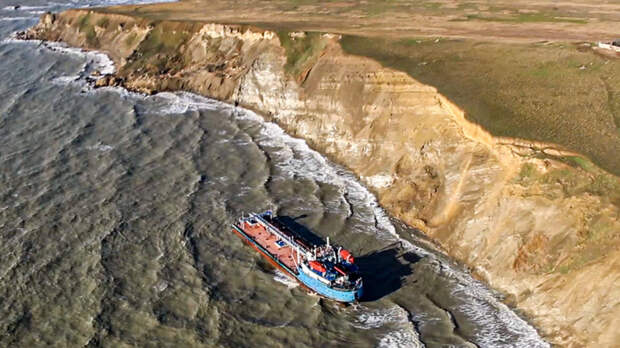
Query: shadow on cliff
{"points": [[384, 270]]}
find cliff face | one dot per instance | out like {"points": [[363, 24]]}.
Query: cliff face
{"points": [[544, 233]]}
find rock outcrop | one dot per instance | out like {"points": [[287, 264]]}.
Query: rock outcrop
{"points": [[543, 232]]}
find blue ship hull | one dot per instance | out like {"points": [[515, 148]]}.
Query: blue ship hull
{"points": [[311, 283], [324, 290]]}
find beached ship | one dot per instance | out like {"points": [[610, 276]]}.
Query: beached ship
{"points": [[326, 269]]}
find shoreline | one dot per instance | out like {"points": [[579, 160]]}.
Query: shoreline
{"points": [[432, 246], [445, 182]]}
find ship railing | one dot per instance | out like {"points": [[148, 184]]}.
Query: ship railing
{"points": [[346, 286], [287, 239]]}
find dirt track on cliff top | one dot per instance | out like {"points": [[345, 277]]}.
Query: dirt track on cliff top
{"points": [[505, 20]]}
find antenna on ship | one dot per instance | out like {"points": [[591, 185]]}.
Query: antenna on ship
{"points": [[328, 241]]}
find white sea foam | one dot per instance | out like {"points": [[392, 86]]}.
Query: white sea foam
{"points": [[280, 277], [301, 161], [497, 323], [401, 338], [379, 181], [122, 2], [13, 40], [179, 103], [17, 18], [479, 303], [101, 147], [403, 333], [95, 61], [369, 319], [57, 6], [24, 8], [65, 80]]}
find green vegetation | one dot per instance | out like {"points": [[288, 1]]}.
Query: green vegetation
{"points": [[581, 162], [376, 8], [83, 22], [606, 186], [433, 5], [301, 52], [91, 36], [597, 239], [546, 92], [131, 39], [572, 182], [103, 22], [556, 92], [467, 6], [293, 4], [528, 172], [525, 18], [599, 232], [585, 178], [87, 28], [159, 51]]}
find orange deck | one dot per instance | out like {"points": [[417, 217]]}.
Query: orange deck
{"points": [[286, 255]]}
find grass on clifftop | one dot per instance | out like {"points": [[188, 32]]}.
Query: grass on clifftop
{"points": [[524, 18], [559, 93], [159, 51], [85, 26], [302, 51]]}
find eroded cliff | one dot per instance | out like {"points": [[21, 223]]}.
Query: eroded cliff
{"points": [[542, 231]]}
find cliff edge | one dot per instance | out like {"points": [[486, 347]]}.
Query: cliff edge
{"points": [[537, 223]]}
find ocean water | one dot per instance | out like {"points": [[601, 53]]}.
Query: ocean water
{"points": [[114, 224]]}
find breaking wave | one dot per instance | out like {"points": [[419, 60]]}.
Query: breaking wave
{"points": [[282, 278], [298, 160], [403, 336]]}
